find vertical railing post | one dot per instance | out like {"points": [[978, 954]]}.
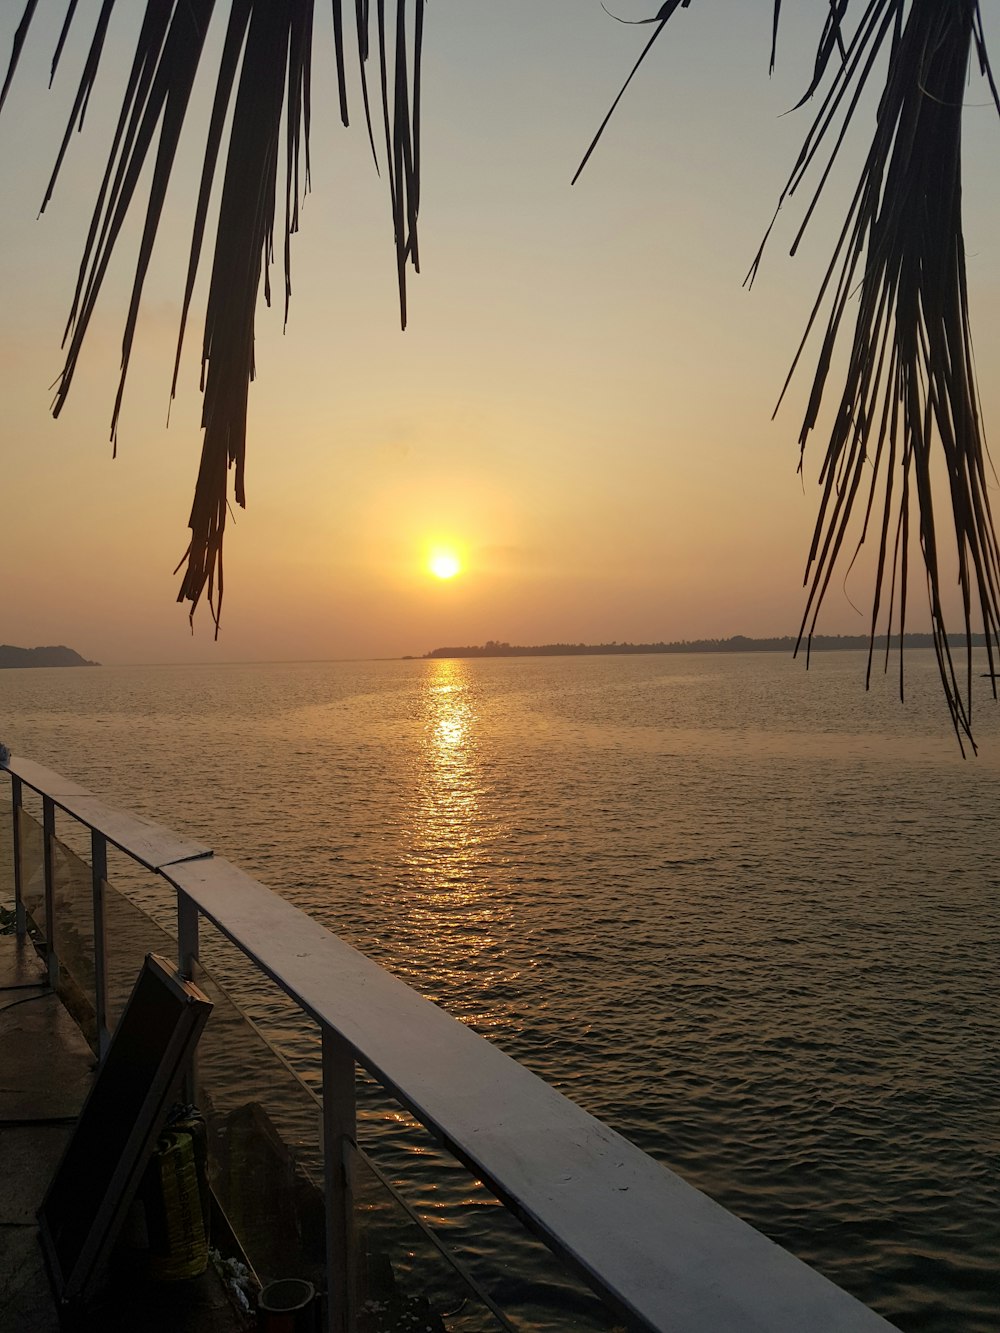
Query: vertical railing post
{"points": [[49, 859], [187, 957], [187, 935], [16, 802], [99, 882], [339, 1133]]}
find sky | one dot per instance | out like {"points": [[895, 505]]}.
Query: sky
{"points": [[581, 406]]}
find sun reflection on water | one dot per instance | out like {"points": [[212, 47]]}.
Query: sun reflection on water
{"points": [[456, 909]]}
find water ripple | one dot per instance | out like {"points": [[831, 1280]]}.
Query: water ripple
{"points": [[747, 916]]}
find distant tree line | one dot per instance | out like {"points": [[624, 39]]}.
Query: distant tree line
{"points": [[737, 643], [53, 656]]}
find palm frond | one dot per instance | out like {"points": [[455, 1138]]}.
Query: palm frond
{"points": [[20, 34], [660, 18], [909, 403], [264, 74]]}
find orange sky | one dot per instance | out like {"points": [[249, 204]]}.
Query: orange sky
{"points": [[581, 402]]}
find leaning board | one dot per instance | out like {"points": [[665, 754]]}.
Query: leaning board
{"points": [[121, 1120]]}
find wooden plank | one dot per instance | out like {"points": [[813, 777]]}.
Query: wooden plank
{"points": [[147, 842], [659, 1249], [42, 779]]}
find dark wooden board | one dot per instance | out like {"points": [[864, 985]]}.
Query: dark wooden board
{"points": [[119, 1125]]}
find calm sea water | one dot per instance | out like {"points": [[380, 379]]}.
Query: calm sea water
{"points": [[747, 915]]}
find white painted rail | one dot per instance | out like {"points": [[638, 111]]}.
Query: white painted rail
{"points": [[152, 845], [657, 1250]]}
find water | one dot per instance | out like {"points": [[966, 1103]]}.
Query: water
{"points": [[746, 915]]}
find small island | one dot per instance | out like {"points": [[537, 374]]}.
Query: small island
{"points": [[54, 656], [738, 643]]}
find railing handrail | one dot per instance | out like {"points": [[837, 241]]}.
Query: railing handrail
{"points": [[145, 841], [654, 1246]]}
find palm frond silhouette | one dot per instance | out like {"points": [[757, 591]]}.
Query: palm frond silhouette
{"points": [[263, 86]]}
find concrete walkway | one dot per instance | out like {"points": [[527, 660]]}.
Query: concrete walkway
{"points": [[46, 1069]]}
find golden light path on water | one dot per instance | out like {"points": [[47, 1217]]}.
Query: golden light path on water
{"points": [[458, 915]]}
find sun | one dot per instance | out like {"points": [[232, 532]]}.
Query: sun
{"points": [[444, 564]]}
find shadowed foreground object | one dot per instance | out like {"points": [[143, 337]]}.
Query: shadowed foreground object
{"points": [[909, 402]]}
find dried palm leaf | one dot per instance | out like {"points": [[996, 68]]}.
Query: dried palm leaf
{"points": [[267, 60], [909, 403]]}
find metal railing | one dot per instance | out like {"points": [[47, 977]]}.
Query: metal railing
{"points": [[657, 1251]]}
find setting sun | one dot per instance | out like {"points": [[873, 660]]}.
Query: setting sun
{"points": [[444, 564]]}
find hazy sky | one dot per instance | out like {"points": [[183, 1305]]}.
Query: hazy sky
{"points": [[581, 404]]}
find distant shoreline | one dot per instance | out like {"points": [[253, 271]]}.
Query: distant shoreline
{"points": [[53, 656], [738, 643]]}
